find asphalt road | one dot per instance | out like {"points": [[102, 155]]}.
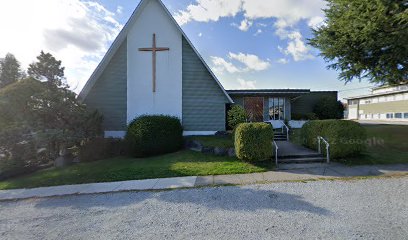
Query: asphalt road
{"points": [[361, 209]]}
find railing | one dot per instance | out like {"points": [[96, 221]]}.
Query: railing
{"points": [[319, 140], [287, 130], [276, 153]]}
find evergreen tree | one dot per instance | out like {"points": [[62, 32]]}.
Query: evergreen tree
{"points": [[47, 68], [10, 70], [365, 39]]}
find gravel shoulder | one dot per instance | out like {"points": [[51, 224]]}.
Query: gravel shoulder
{"points": [[358, 209]]}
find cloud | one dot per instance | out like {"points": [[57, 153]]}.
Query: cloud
{"points": [[208, 10], [119, 10], [282, 61], [220, 65], [251, 61], [259, 31], [239, 63], [316, 22], [296, 47], [244, 84], [245, 25], [288, 11], [76, 32]]}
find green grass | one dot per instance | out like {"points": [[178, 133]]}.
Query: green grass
{"points": [[183, 163], [386, 144], [214, 141]]}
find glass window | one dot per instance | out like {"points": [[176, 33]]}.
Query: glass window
{"points": [[405, 115], [390, 115], [398, 115], [277, 108]]}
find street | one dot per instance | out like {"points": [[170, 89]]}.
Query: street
{"points": [[357, 209]]}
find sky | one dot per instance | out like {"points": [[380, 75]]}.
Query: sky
{"points": [[249, 44]]}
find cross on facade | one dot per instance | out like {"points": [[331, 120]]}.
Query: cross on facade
{"points": [[154, 49]]}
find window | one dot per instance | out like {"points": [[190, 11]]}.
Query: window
{"points": [[405, 115], [277, 108], [391, 98], [390, 115], [353, 102], [367, 101], [398, 115], [399, 97]]}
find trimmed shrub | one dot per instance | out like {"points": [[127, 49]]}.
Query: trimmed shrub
{"points": [[253, 141], [346, 138], [236, 115], [153, 135]]}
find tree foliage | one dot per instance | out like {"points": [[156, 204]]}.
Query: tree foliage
{"points": [[47, 68], [236, 115], [365, 39], [10, 70]]}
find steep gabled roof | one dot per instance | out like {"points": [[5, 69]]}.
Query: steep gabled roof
{"points": [[122, 36]]}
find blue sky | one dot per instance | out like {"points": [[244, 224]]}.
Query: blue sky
{"points": [[247, 43]]}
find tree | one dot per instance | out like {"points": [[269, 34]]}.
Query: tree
{"points": [[49, 69], [10, 70], [42, 119], [365, 39], [329, 108], [236, 115]]}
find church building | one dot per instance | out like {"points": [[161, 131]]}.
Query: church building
{"points": [[152, 68]]}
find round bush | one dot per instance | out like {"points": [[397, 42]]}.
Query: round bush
{"points": [[154, 135], [346, 138], [253, 141]]}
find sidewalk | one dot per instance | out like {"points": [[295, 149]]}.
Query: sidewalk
{"points": [[292, 173]]}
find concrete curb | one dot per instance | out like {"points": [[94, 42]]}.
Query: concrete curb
{"points": [[294, 173]]}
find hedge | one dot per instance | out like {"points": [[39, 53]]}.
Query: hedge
{"points": [[253, 141], [154, 135], [346, 138]]}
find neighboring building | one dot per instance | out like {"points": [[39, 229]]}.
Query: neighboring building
{"points": [[384, 103], [152, 68]]}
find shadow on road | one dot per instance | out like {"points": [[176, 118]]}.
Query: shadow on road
{"points": [[225, 198]]}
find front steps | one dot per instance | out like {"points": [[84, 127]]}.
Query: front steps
{"points": [[289, 153], [278, 136], [306, 158]]}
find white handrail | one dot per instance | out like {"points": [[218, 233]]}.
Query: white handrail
{"points": [[319, 139], [276, 153], [287, 130]]}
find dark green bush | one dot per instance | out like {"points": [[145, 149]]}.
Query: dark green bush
{"points": [[153, 135], [236, 115], [301, 116], [101, 148], [346, 138], [253, 141], [329, 108]]}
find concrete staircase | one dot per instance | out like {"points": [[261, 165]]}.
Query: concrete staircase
{"points": [[290, 153], [279, 136]]}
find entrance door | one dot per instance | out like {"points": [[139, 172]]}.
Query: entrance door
{"points": [[254, 107]]}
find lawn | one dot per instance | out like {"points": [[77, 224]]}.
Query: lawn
{"points": [[183, 163], [214, 141], [386, 144]]}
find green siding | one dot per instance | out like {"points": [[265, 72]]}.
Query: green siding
{"points": [[203, 100], [304, 104], [109, 94]]}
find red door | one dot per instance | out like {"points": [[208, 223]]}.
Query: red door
{"points": [[254, 107]]}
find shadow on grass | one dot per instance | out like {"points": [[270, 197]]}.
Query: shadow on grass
{"points": [[224, 198]]}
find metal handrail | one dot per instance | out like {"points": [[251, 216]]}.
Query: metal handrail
{"points": [[287, 130], [276, 152], [319, 139]]}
